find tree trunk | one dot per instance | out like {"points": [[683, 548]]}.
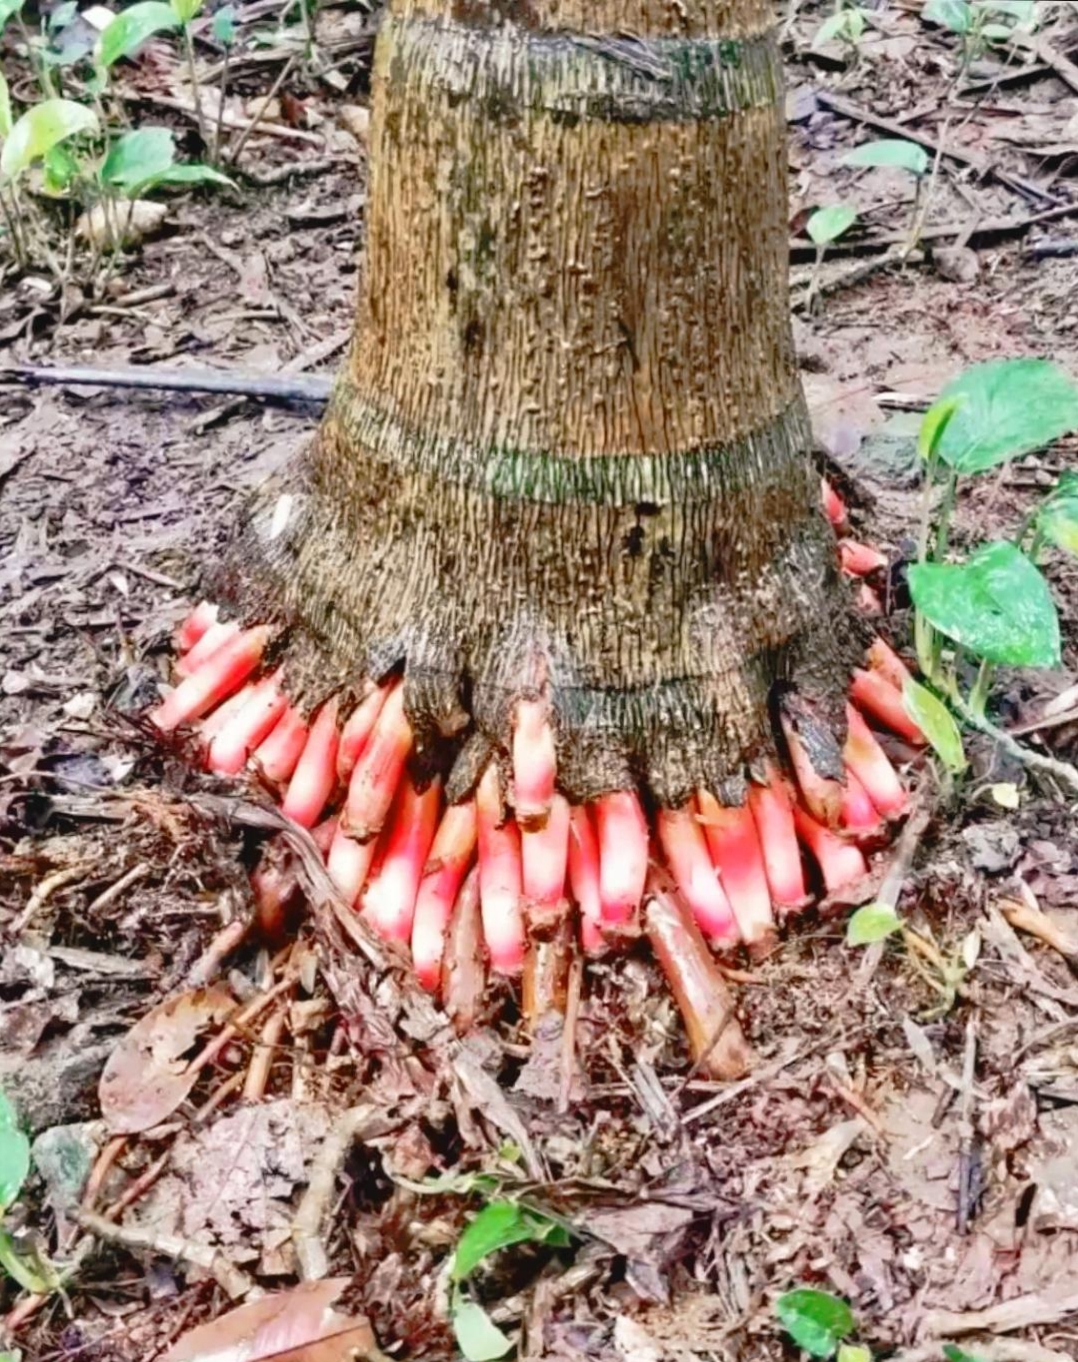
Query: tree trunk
{"points": [[568, 453]]}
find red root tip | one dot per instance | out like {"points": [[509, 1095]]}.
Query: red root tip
{"points": [[697, 880], [348, 864], [834, 507], [858, 560], [735, 849], [389, 900], [860, 817], [357, 731], [623, 856], [275, 757], [772, 812], [315, 776], [874, 694], [220, 676], [841, 863], [869, 762], [201, 618], [254, 721], [545, 853], [378, 771], [882, 658], [215, 637], [584, 879], [500, 878], [443, 875], [533, 764]]}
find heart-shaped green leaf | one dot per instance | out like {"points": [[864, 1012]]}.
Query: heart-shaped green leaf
{"points": [[9, 8], [957, 15], [936, 722], [996, 604], [1006, 408], [828, 224], [498, 1225], [815, 1320], [137, 157], [874, 922], [892, 152], [191, 173], [224, 25], [39, 130], [125, 34], [186, 10]]}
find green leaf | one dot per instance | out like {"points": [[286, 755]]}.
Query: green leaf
{"points": [[498, 1225], [61, 169], [478, 1337], [14, 1154], [1058, 519], [131, 28], [9, 8], [138, 156], [874, 922], [936, 420], [224, 25], [190, 173], [936, 722], [25, 1268], [846, 23], [828, 224], [186, 10], [1008, 407], [997, 33], [996, 604], [63, 15], [890, 151], [40, 128], [815, 1320], [848, 1353], [1023, 12], [956, 15], [5, 107], [953, 1354]]}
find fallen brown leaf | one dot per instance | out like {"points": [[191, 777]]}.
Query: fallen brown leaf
{"points": [[292, 1326], [147, 1076]]}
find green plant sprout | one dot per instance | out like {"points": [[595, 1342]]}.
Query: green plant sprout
{"points": [[983, 23], [847, 24], [896, 153], [29, 1269], [945, 974], [995, 607], [825, 226], [819, 1323], [499, 1225]]}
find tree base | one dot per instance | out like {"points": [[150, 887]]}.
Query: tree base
{"points": [[401, 840]]}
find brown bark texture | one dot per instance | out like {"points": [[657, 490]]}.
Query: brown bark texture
{"points": [[568, 452]]}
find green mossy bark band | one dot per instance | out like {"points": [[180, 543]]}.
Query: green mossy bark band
{"points": [[692, 475], [509, 71]]}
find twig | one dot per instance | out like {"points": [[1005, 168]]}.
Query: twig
{"points": [[234, 152], [568, 1035], [857, 274], [365, 1122], [299, 389], [222, 945], [226, 1274], [113, 892], [44, 891], [848, 109], [258, 1071], [968, 1176], [1062, 771]]}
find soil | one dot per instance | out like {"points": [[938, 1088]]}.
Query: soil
{"points": [[903, 1142]]}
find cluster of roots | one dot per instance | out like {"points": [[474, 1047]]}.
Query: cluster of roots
{"points": [[507, 864]]}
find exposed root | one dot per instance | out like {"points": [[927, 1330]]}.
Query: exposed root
{"points": [[490, 862]]}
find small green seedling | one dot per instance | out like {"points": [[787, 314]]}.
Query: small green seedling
{"points": [[825, 226], [995, 605], [846, 25], [982, 23], [896, 153], [30, 1272], [819, 1323], [499, 1225]]}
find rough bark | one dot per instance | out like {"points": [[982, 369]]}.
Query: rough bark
{"points": [[568, 451]]}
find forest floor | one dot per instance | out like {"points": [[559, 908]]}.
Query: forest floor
{"points": [[909, 1147]]}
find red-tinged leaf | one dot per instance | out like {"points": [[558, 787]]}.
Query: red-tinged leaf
{"points": [[146, 1077], [299, 1325]]}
